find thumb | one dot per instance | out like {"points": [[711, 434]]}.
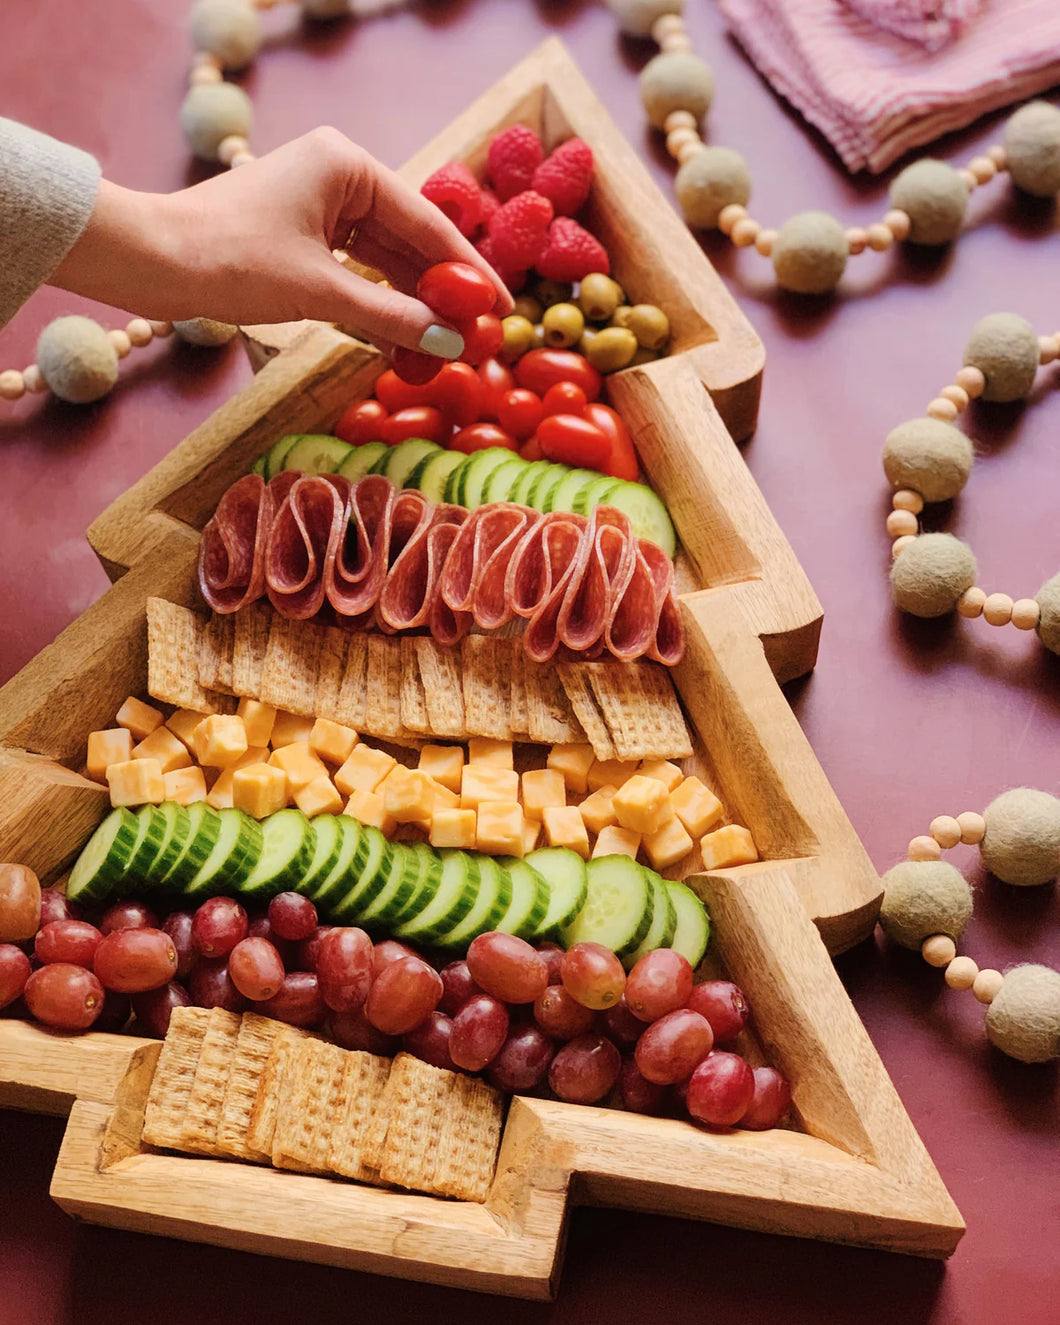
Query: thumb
{"points": [[385, 315]]}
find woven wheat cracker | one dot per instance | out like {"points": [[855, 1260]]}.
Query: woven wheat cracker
{"points": [[249, 643], [486, 686], [640, 708], [257, 1035], [289, 673], [173, 657], [330, 668], [310, 1106], [174, 1075], [574, 677], [352, 696], [418, 1094], [413, 698], [216, 640], [364, 1079], [471, 1136], [206, 1100], [442, 689], [270, 1088], [549, 716]]}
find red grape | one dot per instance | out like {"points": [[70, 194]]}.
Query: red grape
{"points": [[561, 1016], [128, 914], [670, 1048], [720, 1090], [553, 955], [479, 1030], [210, 986], [390, 950], [20, 903], [64, 996], [117, 1009], [723, 1005], [178, 926], [72, 941], [639, 1095], [292, 916], [769, 1103], [659, 983], [344, 969], [14, 972], [54, 906], [585, 1069], [507, 967], [154, 1008], [522, 1062], [298, 1003], [621, 1026], [309, 949], [353, 1030], [256, 969], [430, 1040], [402, 995], [458, 987], [593, 975], [132, 960], [218, 926]]}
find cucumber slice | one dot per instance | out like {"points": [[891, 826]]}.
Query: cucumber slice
{"points": [[692, 934], [234, 855], [173, 819], [454, 477], [454, 899], [529, 899], [501, 481], [663, 919], [397, 891], [431, 475], [258, 467], [361, 459], [287, 847], [317, 453], [204, 826], [565, 875], [335, 883], [491, 904], [405, 457], [150, 835], [476, 475], [565, 494], [618, 909], [427, 884], [647, 514], [277, 456], [545, 488], [367, 875], [104, 858], [327, 843], [594, 494], [525, 481]]}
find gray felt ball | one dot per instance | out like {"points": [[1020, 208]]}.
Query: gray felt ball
{"points": [[810, 253], [924, 897], [77, 360], [712, 179], [929, 456], [205, 331], [934, 197], [1048, 599], [228, 29], [636, 17], [1032, 148], [1022, 840], [1023, 1021], [1004, 347], [212, 112], [929, 575], [677, 81]]}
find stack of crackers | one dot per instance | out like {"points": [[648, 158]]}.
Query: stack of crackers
{"points": [[247, 1087]]}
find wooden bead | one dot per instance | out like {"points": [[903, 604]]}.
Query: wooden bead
{"points": [[675, 140], [961, 973], [205, 60], [676, 42], [745, 232], [205, 73], [957, 395], [1025, 613], [945, 830], [938, 950], [120, 340], [987, 985], [764, 241], [900, 544], [973, 828], [162, 329], [690, 150], [901, 523], [139, 332], [941, 408], [898, 223], [879, 236], [728, 216], [997, 610], [983, 168], [968, 178], [924, 848], [666, 25], [970, 603], [230, 147], [679, 119], [905, 499], [997, 155], [12, 387], [971, 380], [1047, 349], [242, 159], [857, 239], [33, 379]]}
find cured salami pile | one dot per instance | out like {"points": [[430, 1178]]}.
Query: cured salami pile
{"points": [[377, 556]]}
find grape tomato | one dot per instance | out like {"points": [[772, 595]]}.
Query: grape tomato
{"points": [[457, 391], [564, 398], [362, 422], [414, 367], [481, 437], [622, 459], [394, 394], [497, 380], [538, 370], [417, 421], [519, 413], [482, 338], [573, 441], [456, 291]]}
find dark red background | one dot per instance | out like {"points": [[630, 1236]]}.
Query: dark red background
{"points": [[909, 719]]}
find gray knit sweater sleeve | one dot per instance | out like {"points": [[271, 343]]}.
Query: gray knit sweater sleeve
{"points": [[47, 192]]}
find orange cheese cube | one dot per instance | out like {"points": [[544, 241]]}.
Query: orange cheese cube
{"points": [[139, 718], [185, 785], [288, 728], [163, 746], [610, 772], [220, 740], [409, 795], [443, 763], [616, 841], [564, 827], [136, 782], [332, 741], [696, 806], [299, 763], [668, 845], [367, 807], [572, 762], [500, 828], [642, 804], [259, 789], [598, 810], [454, 828], [531, 833], [485, 750], [259, 719], [444, 799], [183, 722], [319, 797], [486, 782], [113, 746], [666, 772], [364, 770], [731, 845], [219, 796], [541, 787]]}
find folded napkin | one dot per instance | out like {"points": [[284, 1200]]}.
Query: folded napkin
{"points": [[932, 23]]}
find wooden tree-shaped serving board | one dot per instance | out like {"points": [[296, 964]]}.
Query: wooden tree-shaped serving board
{"points": [[852, 1168]]}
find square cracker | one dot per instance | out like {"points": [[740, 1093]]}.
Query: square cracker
{"points": [[575, 681], [289, 673], [418, 1094], [413, 698], [216, 641], [519, 715], [267, 1101], [442, 690], [249, 643], [471, 1137], [330, 669], [364, 1078], [640, 707], [352, 691], [382, 709], [173, 657], [312, 1093], [487, 686], [174, 1074], [549, 716], [257, 1035], [207, 1095]]}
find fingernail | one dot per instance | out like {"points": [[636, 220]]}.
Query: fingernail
{"points": [[442, 342]]}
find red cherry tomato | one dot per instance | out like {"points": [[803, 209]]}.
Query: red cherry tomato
{"points": [[622, 462], [394, 393], [531, 450], [479, 436], [564, 398], [537, 370], [519, 413], [456, 291], [362, 423], [418, 421], [573, 441], [497, 380], [416, 368], [457, 392], [482, 338]]}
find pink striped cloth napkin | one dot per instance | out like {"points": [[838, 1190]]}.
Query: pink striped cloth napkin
{"points": [[932, 23], [875, 95]]}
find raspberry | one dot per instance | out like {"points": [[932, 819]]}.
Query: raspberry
{"points": [[519, 230], [490, 203], [572, 252], [514, 280], [455, 191], [565, 177], [513, 157]]}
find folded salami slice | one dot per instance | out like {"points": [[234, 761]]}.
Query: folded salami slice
{"points": [[668, 643], [635, 616], [447, 626], [583, 613], [561, 542], [528, 581], [486, 530], [412, 582], [232, 547], [355, 576], [303, 542], [504, 532]]}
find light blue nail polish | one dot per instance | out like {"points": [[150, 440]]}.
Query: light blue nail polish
{"points": [[442, 341]]}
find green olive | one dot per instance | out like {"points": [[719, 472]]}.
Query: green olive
{"points": [[620, 317], [599, 296], [587, 338], [539, 338], [553, 292], [650, 325], [612, 349], [563, 325], [527, 306], [518, 337]]}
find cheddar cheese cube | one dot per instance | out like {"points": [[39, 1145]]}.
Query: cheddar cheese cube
{"points": [[564, 827], [485, 750], [486, 782], [364, 770], [598, 810], [444, 799], [163, 746], [332, 741], [642, 804], [666, 772], [367, 807], [617, 841], [668, 845], [319, 797], [696, 806], [288, 728], [443, 763], [541, 787], [259, 789], [113, 746], [299, 763], [731, 845], [184, 721], [572, 762], [499, 831], [610, 772], [259, 719], [454, 828], [136, 782], [185, 785], [139, 718], [220, 740], [219, 797], [408, 794], [531, 833]]}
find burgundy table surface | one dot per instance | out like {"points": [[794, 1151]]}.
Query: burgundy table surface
{"points": [[909, 719]]}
